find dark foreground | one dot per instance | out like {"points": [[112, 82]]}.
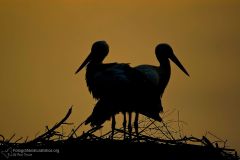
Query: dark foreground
{"points": [[78, 148], [54, 145]]}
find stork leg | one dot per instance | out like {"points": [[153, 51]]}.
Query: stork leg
{"points": [[136, 124], [113, 125], [130, 125], [124, 124]]}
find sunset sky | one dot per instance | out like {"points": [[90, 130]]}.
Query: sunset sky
{"points": [[43, 42]]}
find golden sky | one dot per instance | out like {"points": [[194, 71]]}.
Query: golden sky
{"points": [[43, 42]]}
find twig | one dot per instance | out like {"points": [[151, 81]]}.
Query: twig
{"points": [[107, 133], [60, 137], [220, 140], [3, 139], [168, 130], [26, 139], [69, 135], [74, 131], [161, 131], [89, 133], [36, 134], [49, 132], [206, 141], [11, 137], [94, 129], [68, 123], [179, 130], [18, 139], [169, 113], [152, 122]]}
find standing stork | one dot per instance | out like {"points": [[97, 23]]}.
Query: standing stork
{"points": [[118, 88], [159, 75]]}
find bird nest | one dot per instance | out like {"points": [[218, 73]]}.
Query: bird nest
{"points": [[162, 135]]}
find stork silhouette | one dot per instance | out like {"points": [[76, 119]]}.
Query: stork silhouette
{"points": [[118, 88], [159, 75]]}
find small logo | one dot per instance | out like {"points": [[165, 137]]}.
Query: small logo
{"points": [[7, 153]]}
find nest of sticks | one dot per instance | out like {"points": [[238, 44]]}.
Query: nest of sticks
{"points": [[151, 133]]}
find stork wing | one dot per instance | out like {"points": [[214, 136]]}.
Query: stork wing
{"points": [[116, 73], [150, 72], [111, 80]]}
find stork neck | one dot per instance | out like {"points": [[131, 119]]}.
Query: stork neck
{"points": [[91, 70], [165, 67], [164, 74]]}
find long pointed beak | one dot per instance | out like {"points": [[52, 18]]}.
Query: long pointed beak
{"points": [[87, 60], [178, 63]]}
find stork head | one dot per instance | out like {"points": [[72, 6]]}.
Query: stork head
{"points": [[98, 52], [164, 51]]}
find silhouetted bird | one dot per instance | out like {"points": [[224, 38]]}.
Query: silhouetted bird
{"points": [[160, 75], [118, 88]]}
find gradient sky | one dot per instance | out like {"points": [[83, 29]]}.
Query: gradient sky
{"points": [[43, 42]]}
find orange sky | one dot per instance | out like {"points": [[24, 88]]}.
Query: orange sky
{"points": [[43, 42]]}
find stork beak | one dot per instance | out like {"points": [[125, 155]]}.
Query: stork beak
{"points": [[87, 60], [178, 63]]}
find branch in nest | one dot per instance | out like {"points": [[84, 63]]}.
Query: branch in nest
{"points": [[3, 139], [51, 131], [11, 137]]}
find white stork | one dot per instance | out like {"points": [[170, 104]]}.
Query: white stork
{"points": [[159, 75]]}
